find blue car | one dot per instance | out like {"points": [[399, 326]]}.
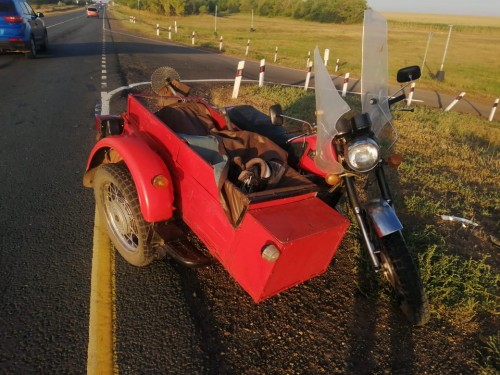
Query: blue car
{"points": [[21, 29]]}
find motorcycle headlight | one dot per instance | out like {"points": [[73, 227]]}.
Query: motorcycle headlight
{"points": [[362, 154]]}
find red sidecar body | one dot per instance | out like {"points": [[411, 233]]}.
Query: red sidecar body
{"points": [[235, 227]]}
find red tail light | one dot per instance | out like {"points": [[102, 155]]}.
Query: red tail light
{"points": [[13, 19]]}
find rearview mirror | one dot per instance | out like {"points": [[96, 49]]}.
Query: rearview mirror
{"points": [[276, 112], [410, 73]]}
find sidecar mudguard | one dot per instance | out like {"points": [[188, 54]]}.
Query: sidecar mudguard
{"points": [[144, 164], [383, 217]]}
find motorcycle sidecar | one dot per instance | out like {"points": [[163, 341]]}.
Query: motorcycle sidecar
{"points": [[268, 241]]}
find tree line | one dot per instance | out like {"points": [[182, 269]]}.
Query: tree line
{"points": [[331, 11], [327, 11]]}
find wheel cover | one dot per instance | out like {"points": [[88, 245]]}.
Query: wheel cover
{"points": [[120, 218]]}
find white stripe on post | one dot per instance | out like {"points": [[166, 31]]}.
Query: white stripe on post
{"points": [[346, 82], [337, 66], [193, 35], [169, 32], [452, 104], [175, 26], [237, 80], [410, 95], [220, 43], [157, 29], [493, 110], [308, 76], [327, 56], [262, 70]]}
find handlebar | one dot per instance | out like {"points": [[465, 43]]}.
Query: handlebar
{"points": [[397, 99]]}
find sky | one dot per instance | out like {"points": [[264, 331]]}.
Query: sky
{"points": [[462, 7]]}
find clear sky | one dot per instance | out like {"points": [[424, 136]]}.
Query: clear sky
{"points": [[463, 7]]}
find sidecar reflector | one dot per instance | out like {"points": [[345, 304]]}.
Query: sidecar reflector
{"points": [[270, 253], [160, 182]]}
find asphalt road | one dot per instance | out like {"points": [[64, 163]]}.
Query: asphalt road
{"points": [[47, 108], [169, 320]]}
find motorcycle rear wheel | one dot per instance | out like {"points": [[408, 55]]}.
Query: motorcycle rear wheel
{"points": [[402, 274]]}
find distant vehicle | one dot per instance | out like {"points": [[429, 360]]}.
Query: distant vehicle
{"points": [[21, 29], [92, 12]]}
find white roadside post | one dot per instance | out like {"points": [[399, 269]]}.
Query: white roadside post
{"points": [[170, 33], [410, 95], [237, 80], [157, 29], [220, 43], [276, 54], [248, 46], [337, 65], [455, 101], [346, 82], [308, 76], [193, 36], [175, 26], [327, 56], [262, 70], [493, 110], [308, 59]]}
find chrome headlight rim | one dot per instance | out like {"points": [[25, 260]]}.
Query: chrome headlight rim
{"points": [[371, 150]]}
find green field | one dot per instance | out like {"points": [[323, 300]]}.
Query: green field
{"points": [[471, 63]]}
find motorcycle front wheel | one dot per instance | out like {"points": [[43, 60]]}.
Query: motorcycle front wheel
{"points": [[400, 271]]}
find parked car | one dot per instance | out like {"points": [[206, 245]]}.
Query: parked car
{"points": [[92, 12], [21, 29]]}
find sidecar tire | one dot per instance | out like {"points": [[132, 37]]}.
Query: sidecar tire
{"points": [[118, 206], [401, 272]]}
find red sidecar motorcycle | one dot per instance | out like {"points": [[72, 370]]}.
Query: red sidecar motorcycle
{"points": [[171, 161], [151, 169]]}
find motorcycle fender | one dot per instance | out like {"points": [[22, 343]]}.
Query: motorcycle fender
{"points": [[383, 217], [144, 164]]}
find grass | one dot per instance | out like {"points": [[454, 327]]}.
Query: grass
{"points": [[450, 166], [471, 61]]}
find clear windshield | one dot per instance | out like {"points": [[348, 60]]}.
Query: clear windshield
{"points": [[374, 76], [329, 109]]}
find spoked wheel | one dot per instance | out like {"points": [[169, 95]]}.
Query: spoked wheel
{"points": [[118, 204], [400, 271]]}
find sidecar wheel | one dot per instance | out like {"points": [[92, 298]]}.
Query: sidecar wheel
{"points": [[118, 204], [400, 271]]}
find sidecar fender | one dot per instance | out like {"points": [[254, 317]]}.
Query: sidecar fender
{"points": [[144, 165], [383, 217]]}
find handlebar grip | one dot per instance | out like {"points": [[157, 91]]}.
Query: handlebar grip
{"points": [[397, 99]]}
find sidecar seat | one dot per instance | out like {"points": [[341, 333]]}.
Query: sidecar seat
{"points": [[190, 118]]}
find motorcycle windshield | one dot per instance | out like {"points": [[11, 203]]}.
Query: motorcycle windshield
{"points": [[374, 75], [329, 109]]}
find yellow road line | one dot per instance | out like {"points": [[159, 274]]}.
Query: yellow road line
{"points": [[101, 358]]}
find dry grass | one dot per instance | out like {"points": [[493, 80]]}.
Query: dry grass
{"points": [[471, 63]]}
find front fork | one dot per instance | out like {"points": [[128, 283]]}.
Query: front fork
{"points": [[383, 215]]}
